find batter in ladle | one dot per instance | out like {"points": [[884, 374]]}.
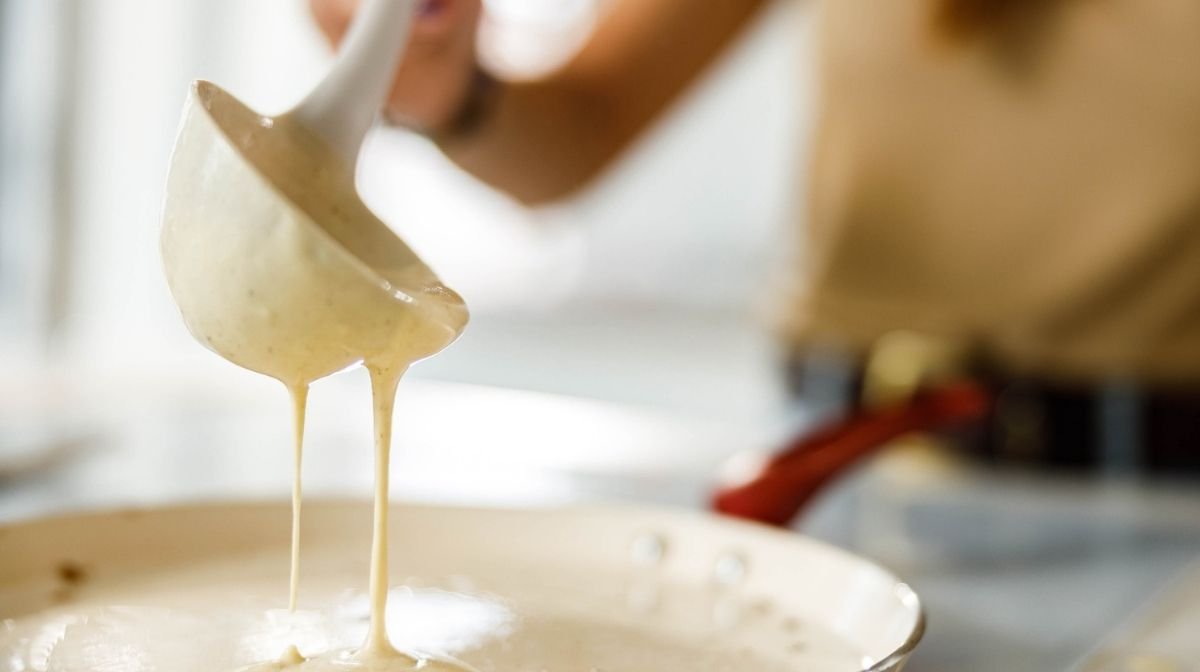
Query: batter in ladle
{"points": [[277, 266]]}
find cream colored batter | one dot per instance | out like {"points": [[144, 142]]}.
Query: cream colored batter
{"points": [[198, 590], [278, 266], [155, 631]]}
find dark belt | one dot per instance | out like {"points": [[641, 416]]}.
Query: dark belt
{"points": [[1114, 428]]}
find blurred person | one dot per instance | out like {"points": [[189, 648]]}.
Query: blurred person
{"points": [[1017, 182]]}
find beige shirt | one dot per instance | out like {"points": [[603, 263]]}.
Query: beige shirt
{"points": [[1029, 192]]}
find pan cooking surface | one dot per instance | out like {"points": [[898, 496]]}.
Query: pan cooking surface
{"points": [[198, 591]]}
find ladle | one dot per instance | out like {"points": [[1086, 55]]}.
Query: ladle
{"points": [[273, 259]]}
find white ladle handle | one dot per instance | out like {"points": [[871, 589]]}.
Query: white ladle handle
{"points": [[343, 106]]}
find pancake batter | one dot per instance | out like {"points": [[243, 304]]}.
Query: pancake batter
{"points": [[292, 276]]}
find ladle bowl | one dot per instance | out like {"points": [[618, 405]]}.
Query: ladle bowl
{"points": [[271, 256]]}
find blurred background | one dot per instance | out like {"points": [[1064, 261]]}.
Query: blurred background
{"points": [[620, 346], [92, 94], [647, 290]]}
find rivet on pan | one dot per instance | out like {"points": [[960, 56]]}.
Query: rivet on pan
{"points": [[730, 569], [648, 549], [906, 596]]}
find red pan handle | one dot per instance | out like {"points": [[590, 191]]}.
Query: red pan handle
{"points": [[790, 479]]}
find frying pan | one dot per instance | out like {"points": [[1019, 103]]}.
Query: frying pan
{"points": [[781, 587]]}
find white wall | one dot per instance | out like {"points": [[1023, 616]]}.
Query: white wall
{"points": [[136, 60]]}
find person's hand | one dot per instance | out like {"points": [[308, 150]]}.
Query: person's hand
{"points": [[439, 68]]}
